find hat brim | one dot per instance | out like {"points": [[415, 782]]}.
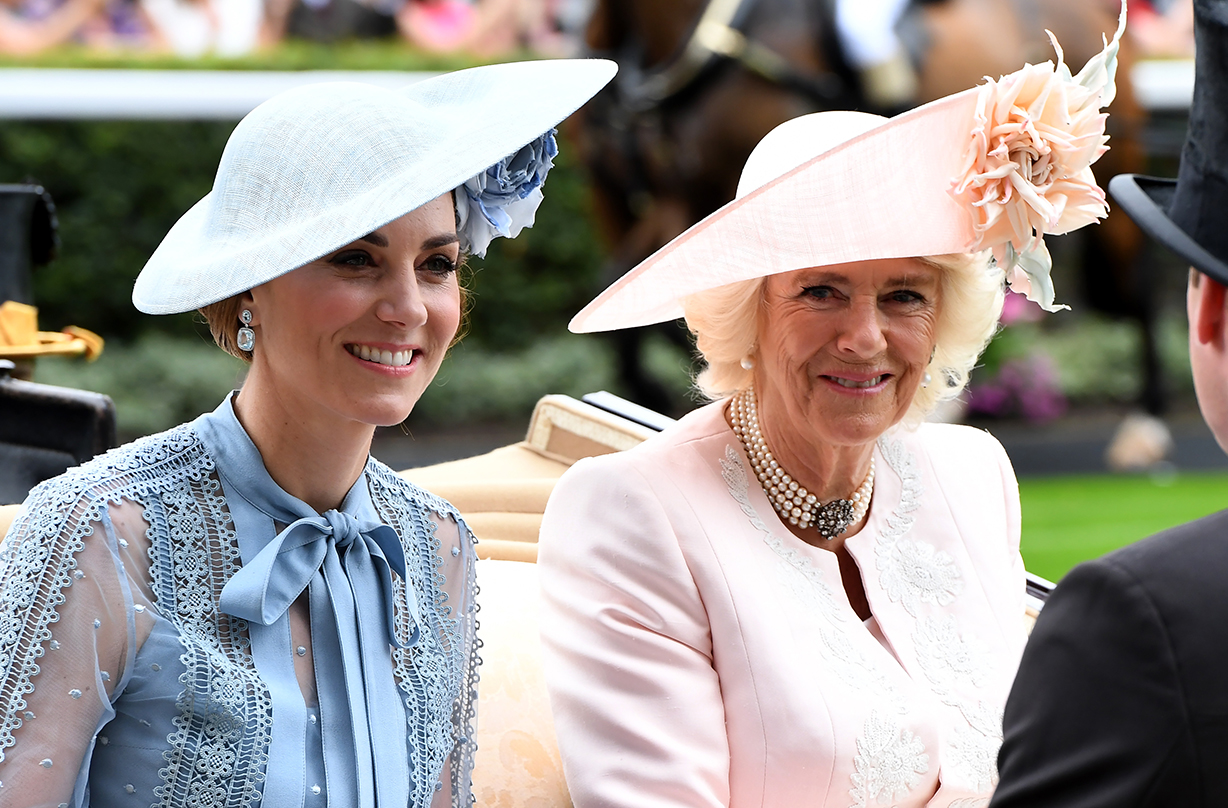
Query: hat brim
{"points": [[871, 197], [1147, 201], [193, 268]]}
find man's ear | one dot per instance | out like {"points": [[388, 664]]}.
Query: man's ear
{"points": [[1209, 315]]}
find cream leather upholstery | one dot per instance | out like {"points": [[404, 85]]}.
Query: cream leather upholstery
{"points": [[517, 761], [503, 493]]}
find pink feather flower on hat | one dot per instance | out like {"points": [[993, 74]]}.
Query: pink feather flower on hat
{"points": [[1027, 171]]}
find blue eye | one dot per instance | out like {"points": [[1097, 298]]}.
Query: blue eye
{"points": [[819, 292], [906, 296]]}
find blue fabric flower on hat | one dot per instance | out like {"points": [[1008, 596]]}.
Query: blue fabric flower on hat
{"points": [[503, 199]]}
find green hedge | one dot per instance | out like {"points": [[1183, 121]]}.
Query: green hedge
{"points": [[119, 186]]}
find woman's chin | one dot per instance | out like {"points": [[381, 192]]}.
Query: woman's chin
{"points": [[382, 413], [856, 428]]}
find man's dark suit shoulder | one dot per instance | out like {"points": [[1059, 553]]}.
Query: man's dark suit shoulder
{"points": [[1122, 698]]}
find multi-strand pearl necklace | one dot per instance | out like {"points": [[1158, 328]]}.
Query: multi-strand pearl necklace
{"points": [[792, 501]]}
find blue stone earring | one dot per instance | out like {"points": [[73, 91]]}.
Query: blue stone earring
{"points": [[246, 337]]}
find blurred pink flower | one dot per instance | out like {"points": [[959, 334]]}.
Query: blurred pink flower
{"points": [[1025, 386], [1027, 168], [1016, 308]]}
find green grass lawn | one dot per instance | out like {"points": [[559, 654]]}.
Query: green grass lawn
{"points": [[1070, 519]]}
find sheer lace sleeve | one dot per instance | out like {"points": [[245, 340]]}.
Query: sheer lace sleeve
{"points": [[70, 619], [457, 566]]}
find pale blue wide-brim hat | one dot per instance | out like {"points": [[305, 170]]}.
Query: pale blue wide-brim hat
{"points": [[320, 166]]}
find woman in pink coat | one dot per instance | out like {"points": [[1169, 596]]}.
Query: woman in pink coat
{"points": [[801, 594]]}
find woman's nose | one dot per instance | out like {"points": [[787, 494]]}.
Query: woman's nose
{"points": [[862, 331], [401, 301]]}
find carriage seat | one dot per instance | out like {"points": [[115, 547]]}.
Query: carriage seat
{"points": [[503, 493]]}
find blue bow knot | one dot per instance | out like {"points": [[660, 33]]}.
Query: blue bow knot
{"points": [[263, 589], [346, 566]]}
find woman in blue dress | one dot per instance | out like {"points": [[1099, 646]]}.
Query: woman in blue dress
{"points": [[247, 609]]}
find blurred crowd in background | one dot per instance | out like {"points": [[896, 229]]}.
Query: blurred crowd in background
{"points": [[486, 29]]}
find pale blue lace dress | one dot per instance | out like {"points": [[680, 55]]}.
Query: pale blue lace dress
{"points": [[129, 676]]}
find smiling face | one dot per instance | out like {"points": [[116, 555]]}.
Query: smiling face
{"points": [[842, 350], [360, 333]]}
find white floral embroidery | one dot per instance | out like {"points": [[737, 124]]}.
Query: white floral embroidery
{"points": [[914, 572], [889, 762], [951, 662], [911, 571], [973, 763]]}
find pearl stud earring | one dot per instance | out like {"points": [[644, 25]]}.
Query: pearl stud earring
{"points": [[747, 363], [246, 337]]}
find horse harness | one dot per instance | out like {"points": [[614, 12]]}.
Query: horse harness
{"points": [[714, 38]]}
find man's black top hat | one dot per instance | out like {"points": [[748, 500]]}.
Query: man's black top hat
{"points": [[1189, 215]]}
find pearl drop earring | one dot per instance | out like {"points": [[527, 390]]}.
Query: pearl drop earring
{"points": [[246, 338], [747, 363], [926, 379]]}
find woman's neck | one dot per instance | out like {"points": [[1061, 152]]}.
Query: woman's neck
{"points": [[826, 470], [312, 454]]}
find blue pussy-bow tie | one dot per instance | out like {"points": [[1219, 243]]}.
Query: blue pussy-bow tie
{"points": [[346, 567]]}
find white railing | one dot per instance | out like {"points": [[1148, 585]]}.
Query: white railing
{"points": [[46, 93], [1164, 86]]}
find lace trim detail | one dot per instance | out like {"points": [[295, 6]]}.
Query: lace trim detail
{"points": [[954, 664], [911, 571], [439, 674], [37, 558], [36, 563], [950, 661], [889, 762], [219, 748]]}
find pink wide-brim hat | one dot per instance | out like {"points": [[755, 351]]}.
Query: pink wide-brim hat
{"points": [[874, 189], [995, 167]]}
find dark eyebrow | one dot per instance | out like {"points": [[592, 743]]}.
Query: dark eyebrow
{"points": [[377, 239], [442, 240]]}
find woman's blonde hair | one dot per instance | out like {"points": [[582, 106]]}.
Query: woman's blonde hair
{"points": [[725, 323]]}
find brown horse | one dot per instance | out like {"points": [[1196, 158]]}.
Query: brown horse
{"points": [[666, 142]]}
